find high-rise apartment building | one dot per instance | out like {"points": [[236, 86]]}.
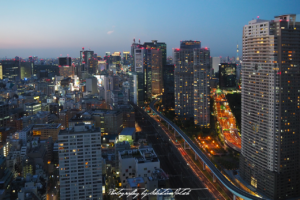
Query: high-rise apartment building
{"points": [[184, 78], [80, 163], [201, 87], [270, 152], [191, 82]]}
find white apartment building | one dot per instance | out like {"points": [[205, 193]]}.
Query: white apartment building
{"points": [[137, 163], [80, 163], [270, 152]]}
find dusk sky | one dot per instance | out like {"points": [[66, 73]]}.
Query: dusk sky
{"points": [[61, 27]]}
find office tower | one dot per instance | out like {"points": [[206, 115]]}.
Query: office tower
{"points": [[101, 65], [168, 86], [116, 58], [215, 61], [26, 69], [80, 163], [156, 66], [158, 45], [136, 84], [201, 87], [40, 70], [138, 60], [133, 47], [85, 56], [65, 67], [184, 78], [227, 76], [11, 69], [91, 85], [126, 58], [270, 152], [110, 83]]}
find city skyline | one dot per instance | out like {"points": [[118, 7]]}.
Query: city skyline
{"points": [[64, 28]]}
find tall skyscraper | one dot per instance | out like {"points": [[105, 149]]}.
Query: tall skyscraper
{"points": [[270, 153], [201, 87], [156, 66], [80, 163], [126, 58], [184, 78], [136, 84], [85, 56]]}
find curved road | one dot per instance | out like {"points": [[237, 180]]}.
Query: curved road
{"points": [[236, 191]]}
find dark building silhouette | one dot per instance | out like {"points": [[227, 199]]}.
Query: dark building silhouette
{"points": [[168, 98], [227, 75]]}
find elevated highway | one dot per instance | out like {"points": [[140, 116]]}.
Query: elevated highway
{"points": [[206, 162]]}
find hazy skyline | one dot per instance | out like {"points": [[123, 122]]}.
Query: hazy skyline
{"points": [[51, 28]]}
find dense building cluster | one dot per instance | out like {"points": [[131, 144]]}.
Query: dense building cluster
{"points": [[68, 128]]}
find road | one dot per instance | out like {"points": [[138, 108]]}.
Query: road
{"points": [[223, 180], [226, 121], [171, 161], [198, 173]]}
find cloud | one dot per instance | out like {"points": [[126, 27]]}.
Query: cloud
{"points": [[110, 32], [113, 26]]}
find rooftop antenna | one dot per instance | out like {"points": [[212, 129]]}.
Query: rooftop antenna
{"points": [[133, 40], [139, 41]]}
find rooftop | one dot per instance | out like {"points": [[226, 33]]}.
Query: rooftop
{"points": [[128, 131], [46, 126], [81, 128], [134, 182]]}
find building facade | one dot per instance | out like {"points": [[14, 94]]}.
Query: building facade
{"points": [[191, 82], [80, 163], [201, 87], [270, 152], [65, 67]]}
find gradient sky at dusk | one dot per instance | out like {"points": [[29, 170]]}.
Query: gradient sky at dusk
{"points": [[50, 28]]}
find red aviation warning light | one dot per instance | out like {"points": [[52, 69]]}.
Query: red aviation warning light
{"points": [[82, 48]]}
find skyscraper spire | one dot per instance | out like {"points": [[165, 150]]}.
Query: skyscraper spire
{"points": [[237, 52]]}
